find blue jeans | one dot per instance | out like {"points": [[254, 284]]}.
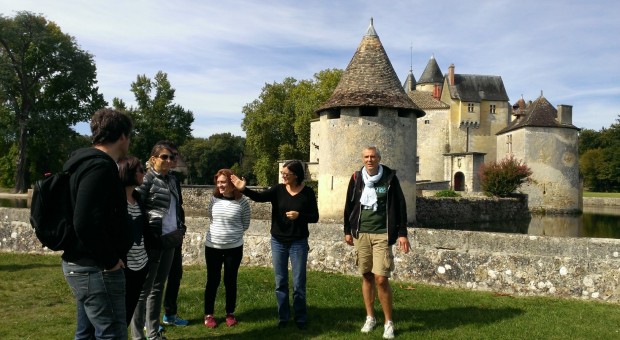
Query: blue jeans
{"points": [[100, 298], [297, 251]]}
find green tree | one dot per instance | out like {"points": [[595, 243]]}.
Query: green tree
{"points": [[504, 177], [204, 157], [155, 117], [588, 140], [277, 124], [599, 160], [48, 83], [590, 166]]}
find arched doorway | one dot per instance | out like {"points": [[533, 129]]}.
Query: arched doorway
{"points": [[459, 181]]}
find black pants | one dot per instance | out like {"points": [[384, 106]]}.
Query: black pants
{"points": [[174, 282], [134, 280], [231, 259]]}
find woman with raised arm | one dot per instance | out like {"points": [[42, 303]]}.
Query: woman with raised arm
{"points": [[293, 207]]}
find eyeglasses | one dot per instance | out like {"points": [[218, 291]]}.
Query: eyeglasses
{"points": [[165, 157], [286, 174]]}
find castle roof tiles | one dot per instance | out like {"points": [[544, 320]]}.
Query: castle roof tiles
{"points": [[426, 101], [540, 113], [370, 80], [431, 74], [475, 88]]}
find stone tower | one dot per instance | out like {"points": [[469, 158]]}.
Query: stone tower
{"points": [[547, 141], [368, 107]]}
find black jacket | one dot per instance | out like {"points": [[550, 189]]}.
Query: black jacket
{"points": [[100, 211], [396, 206]]}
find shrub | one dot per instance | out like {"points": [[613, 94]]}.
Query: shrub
{"points": [[447, 193], [504, 177]]}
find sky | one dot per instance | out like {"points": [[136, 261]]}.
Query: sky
{"points": [[220, 54]]}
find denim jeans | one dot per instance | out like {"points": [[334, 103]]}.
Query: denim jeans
{"points": [[148, 309], [100, 299], [297, 251]]}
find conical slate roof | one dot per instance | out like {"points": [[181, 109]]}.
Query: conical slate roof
{"points": [[431, 74], [410, 82], [538, 114], [370, 80]]}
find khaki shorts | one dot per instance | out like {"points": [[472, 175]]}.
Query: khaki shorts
{"points": [[373, 254]]}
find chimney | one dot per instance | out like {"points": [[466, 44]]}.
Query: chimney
{"points": [[451, 74], [436, 92], [565, 114]]}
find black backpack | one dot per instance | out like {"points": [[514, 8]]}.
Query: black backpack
{"points": [[51, 210]]}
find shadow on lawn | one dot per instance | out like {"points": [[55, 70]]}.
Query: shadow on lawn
{"points": [[346, 322], [27, 266]]}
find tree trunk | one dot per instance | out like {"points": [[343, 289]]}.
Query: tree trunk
{"points": [[22, 169]]}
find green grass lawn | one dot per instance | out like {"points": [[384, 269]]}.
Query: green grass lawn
{"points": [[37, 304]]}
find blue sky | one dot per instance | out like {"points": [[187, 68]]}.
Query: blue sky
{"points": [[219, 54]]}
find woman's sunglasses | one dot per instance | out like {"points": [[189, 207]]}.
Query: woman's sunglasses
{"points": [[165, 157]]}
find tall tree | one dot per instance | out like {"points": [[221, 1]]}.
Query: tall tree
{"points": [[156, 117], [277, 124], [46, 81], [599, 160]]}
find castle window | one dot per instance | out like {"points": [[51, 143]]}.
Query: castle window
{"points": [[417, 165], [404, 113], [333, 114], [492, 108], [369, 111], [470, 107], [509, 144], [426, 121]]}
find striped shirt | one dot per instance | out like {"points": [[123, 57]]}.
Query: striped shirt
{"points": [[229, 220], [136, 257]]}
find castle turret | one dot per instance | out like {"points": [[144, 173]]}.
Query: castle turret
{"points": [[369, 107], [547, 142]]}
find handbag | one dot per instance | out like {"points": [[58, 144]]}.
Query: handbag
{"points": [[172, 239]]}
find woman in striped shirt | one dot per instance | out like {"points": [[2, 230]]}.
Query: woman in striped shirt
{"points": [[132, 173], [230, 218]]}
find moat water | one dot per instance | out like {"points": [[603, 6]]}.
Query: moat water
{"points": [[599, 222]]}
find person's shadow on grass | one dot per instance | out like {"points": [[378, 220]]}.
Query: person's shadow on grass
{"points": [[345, 322]]}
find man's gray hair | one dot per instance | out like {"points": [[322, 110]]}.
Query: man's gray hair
{"points": [[373, 147]]}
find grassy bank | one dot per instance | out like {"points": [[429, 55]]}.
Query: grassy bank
{"points": [[37, 304], [601, 194]]}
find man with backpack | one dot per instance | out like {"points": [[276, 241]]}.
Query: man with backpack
{"points": [[93, 264], [375, 218]]}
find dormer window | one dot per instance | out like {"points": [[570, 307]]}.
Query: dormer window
{"points": [[470, 107]]}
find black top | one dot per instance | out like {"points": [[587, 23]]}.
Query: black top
{"points": [[304, 202], [100, 211]]}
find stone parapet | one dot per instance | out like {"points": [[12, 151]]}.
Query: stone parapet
{"points": [[601, 201], [504, 263]]}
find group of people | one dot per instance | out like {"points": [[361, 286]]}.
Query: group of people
{"points": [[130, 225]]}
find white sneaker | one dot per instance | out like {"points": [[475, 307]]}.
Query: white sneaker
{"points": [[388, 330], [369, 325]]}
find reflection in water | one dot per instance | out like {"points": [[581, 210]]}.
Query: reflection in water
{"points": [[14, 203], [599, 222]]}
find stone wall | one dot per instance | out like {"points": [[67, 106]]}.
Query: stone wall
{"points": [[505, 263], [438, 210], [601, 201]]}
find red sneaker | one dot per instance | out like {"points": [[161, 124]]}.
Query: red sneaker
{"points": [[210, 321], [230, 320]]}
